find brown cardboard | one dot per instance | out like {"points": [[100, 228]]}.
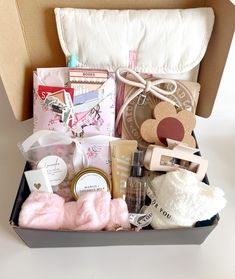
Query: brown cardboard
{"points": [[212, 66], [29, 40]]}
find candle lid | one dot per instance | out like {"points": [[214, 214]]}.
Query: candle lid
{"points": [[89, 180]]}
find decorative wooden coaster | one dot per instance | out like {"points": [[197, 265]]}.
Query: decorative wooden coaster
{"points": [[169, 123]]}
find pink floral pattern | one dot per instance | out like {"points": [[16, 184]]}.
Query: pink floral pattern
{"points": [[99, 121], [93, 151]]}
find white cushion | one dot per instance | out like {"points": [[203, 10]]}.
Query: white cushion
{"points": [[167, 42]]}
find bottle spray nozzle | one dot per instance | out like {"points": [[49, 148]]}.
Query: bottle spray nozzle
{"points": [[137, 159], [137, 163]]}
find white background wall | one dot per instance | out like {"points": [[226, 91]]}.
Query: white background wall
{"points": [[214, 259]]}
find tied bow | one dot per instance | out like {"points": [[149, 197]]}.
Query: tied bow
{"points": [[144, 86]]}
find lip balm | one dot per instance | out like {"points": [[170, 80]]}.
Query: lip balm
{"points": [[89, 180]]}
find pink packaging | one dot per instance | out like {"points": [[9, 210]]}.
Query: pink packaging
{"points": [[100, 119], [89, 118], [43, 117], [97, 152]]}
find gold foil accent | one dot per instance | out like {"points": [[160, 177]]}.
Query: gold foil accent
{"points": [[86, 171]]}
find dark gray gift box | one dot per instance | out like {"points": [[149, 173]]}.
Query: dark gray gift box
{"points": [[44, 50], [48, 238]]}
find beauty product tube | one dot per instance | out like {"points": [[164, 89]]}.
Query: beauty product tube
{"points": [[121, 154]]}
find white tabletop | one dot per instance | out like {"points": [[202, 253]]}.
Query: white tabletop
{"points": [[214, 259]]}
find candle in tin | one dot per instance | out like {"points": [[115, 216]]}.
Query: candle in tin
{"points": [[90, 179]]}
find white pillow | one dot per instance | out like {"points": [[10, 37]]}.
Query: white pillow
{"points": [[166, 42]]}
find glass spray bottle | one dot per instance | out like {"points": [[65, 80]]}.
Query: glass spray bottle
{"points": [[136, 184]]}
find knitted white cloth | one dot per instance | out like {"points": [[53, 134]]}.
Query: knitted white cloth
{"points": [[180, 200]]}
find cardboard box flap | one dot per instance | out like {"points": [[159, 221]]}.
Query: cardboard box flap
{"points": [[15, 63], [160, 47], [29, 40], [212, 66]]}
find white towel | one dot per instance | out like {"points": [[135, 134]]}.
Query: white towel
{"points": [[180, 200]]}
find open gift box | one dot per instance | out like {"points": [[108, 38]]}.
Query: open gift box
{"points": [[30, 39]]}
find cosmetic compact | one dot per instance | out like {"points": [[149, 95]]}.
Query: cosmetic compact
{"points": [[90, 179]]}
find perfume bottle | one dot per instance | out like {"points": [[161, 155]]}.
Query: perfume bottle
{"points": [[136, 184]]}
